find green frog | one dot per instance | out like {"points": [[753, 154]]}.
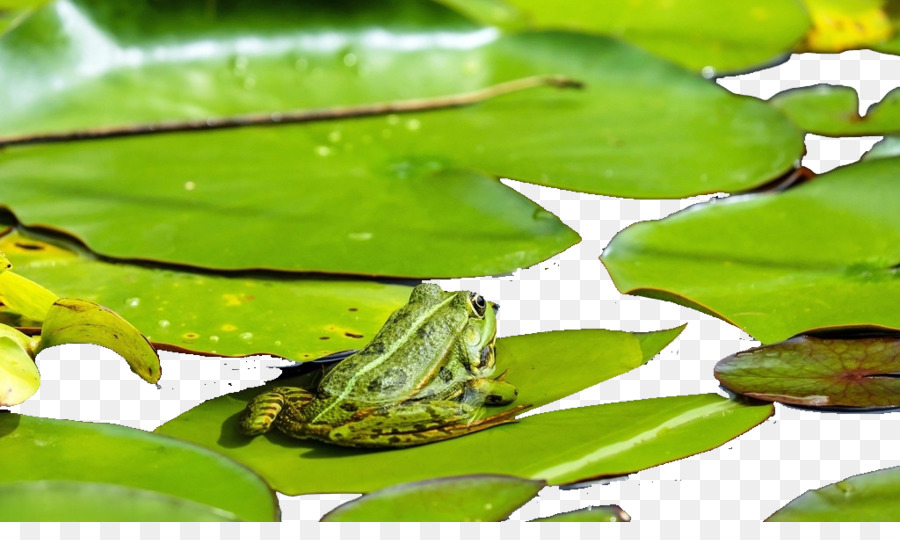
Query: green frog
{"points": [[423, 378]]}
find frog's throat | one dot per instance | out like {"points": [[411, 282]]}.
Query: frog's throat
{"points": [[383, 358]]}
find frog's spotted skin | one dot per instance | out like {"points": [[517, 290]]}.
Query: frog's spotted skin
{"points": [[423, 378]]}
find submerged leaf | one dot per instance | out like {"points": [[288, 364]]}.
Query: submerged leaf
{"points": [[55, 500], [68, 451], [834, 111], [461, 498], [817, 372], [865, 497], [71, 320], [19, 377], [294, 317], [823, 254], [608, 513]]}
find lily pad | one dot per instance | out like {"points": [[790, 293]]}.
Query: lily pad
{"points": [[68, 451], [698, 34], [840, 25], [232, 315], [865, 497], [23, 295], [889, 146], [19, 377], [892, 45], [820, 255], [416, 192], [816, 372], [610, 513], [88, 501], [461, 498], [834, 111]]}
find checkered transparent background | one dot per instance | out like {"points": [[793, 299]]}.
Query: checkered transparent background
{"points": [[719, 494]]}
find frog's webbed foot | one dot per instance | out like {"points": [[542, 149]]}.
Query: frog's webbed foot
{"points": [[262, 410]]}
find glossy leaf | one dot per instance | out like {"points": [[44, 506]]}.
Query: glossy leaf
{"points": [[823, 254], [816, 372], [416, 193], [68, 451], [610, 513], [19, 377], [461, 498], [865, 497], [725, 36], [294, 317], [887, 147], [834, 111], [840, 25], [71, 320], [25, 296], [88, 501]]}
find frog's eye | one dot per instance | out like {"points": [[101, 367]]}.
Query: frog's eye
{"points": [[478, 304]]}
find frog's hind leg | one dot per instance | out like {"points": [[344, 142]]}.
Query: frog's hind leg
{"points": [[262, 410], [417, 422]]}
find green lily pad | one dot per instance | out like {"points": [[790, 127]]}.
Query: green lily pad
{"points": [[834, 111], [88, 501], [821, 255], [71, 320], [559, 447], [461, 498], [725, 36], [19, 377], [887, 147], [403, 194], [608, 513], [866, 497], [68, 451], [290, 316], [840, 25], [816, 372]]}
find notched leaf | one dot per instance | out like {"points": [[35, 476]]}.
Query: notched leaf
{"points": [[816, 372], [71, 320]]}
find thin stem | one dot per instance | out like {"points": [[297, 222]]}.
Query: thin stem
{"points": [[301, 116]]}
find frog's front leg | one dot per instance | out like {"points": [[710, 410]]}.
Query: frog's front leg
{"points": [[416, 422], [261, 412], [492, 391]]}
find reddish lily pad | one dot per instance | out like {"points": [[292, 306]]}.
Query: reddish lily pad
{"points": [[817, 372]]}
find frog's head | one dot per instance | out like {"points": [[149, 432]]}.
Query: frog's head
{"points": [[480, 333]]}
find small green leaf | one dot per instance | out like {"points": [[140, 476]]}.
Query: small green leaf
{"points": [[68, 451], [820, 255], [866, 497], [592, 513], [19, 377], [24, 296], [834, 111], [818, 372], [55, 500], [462, 498], [70, 320]]}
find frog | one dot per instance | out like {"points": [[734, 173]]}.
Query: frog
{"points": [[426, 376]]}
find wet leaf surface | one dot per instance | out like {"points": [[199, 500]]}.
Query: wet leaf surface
{"points": [[294, 317], [834, 111], [68, 451], [816, 372], [823, 254], [609, 513], [461, 498], [865, 497]]}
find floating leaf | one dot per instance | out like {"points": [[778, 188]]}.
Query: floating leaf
{"points": [[19, 377], [89, 501], [24, 296], [892, 45], [560, 447], [71, 320], [68, 451], [416, 191], [816, 372], [840, 25], [823, 254], [724, 36], [294, 317], [834, 111], [865, 497], [592, 513], [461, 498], [887, 147]]}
